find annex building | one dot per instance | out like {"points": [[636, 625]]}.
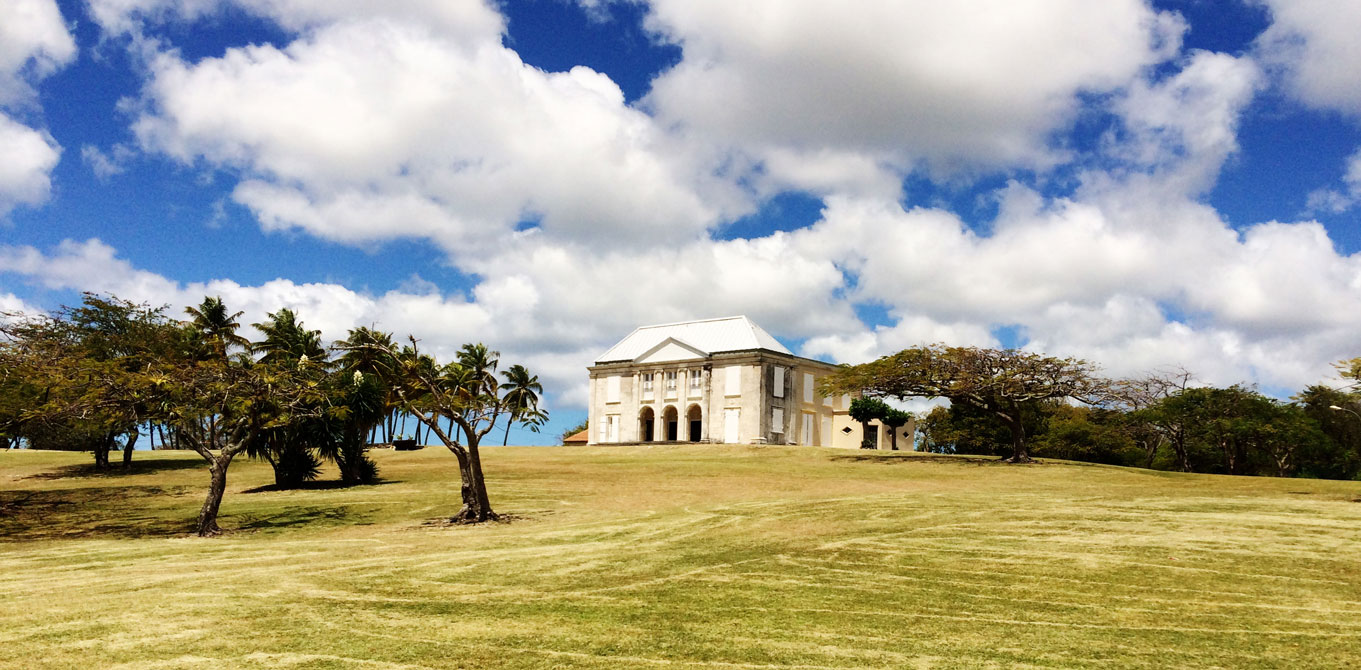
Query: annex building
{"points": [[716, 380]]}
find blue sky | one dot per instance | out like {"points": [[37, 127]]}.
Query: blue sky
{"points": [[1142, 185]]}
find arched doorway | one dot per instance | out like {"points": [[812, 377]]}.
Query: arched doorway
{"points": [[670, 418], [646, 423], [694, 417]]}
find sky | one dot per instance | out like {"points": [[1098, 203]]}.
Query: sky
{"points": [[1141, 185]]}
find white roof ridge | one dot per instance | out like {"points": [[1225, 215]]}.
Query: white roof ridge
{"points": [[681, 323]]}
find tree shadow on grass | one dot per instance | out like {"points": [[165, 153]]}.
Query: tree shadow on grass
{"points": [[116, 469], [77, 513], [327, 485], [901, 457], [293, 516]]}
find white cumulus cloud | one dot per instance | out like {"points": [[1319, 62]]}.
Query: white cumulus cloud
{"points": [[34, 42]]}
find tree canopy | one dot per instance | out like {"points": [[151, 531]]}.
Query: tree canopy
{"points": [[1001, 382]]}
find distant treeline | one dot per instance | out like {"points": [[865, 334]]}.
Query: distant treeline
{"points": [[1233, 430]]}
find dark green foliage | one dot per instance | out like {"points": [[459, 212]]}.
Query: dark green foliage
{"points": [[866, 410], [893, 419], [1339, 456], [295, 464], [1085, 434], [359, 402], [964, 429]]}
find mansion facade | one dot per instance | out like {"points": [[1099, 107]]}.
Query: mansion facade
{"points": [[717, 380]]}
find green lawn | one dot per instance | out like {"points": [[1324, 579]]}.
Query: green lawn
{"points": [[679, 557]]}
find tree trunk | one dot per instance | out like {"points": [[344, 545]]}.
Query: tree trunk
{"points": [[506, 440], [1018, 449], [476, 505], [127, 451], [207, 517], [101, 450]]}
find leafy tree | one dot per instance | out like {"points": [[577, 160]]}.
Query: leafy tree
{"points": [[1079, 433], [894, 419], [1350, 370], [1149, 428], [1002, 382], [865, 410], [466, 393], [1339, 457], [1238, 431], [251, 398], [92, 373]]}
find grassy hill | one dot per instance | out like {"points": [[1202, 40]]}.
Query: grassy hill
{"points": [[679, 557]]}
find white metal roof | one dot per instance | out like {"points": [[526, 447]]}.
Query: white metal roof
{"points": [[733, 333]]}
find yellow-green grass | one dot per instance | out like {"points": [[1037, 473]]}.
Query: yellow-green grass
{"points": [[679, 557]]}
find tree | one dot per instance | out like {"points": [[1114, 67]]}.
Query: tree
{"points": [[288, 344], [1002, 382], [89, 373], [1148, 427], [465, 392], [251, 398], [218, 327], [1248, 432], [1078, 433], [355, 401], [1339, 456], [1350, 370], [287, 340], [894, 419], [865, 410], [522, 391]]}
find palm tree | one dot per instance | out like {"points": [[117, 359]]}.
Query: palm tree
{"points": [[481, 365], [371, 353], [211, 320], [521, 396], [287, 341]]}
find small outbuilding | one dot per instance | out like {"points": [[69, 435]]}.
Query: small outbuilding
{"points": [[578, 438]]}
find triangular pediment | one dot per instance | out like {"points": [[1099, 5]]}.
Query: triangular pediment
{"points": [[670, 349]]}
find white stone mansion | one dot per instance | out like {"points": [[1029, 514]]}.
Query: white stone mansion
{"points": [[716, 380]]}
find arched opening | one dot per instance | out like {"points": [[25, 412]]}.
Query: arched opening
{"points": [[670, 418], [646, 423], [695, 419]]}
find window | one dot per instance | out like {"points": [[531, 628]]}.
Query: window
{"points": [[612, 389], [732, 380], [696, 378], [777, 420], [647, 382], [779, 382], [671, 381], [807, 387]]}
